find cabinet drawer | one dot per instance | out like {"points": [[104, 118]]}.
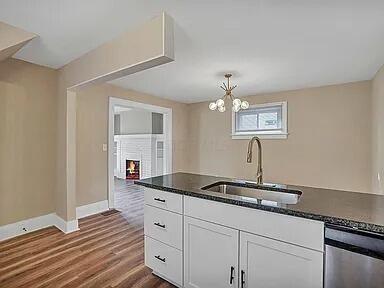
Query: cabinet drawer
{"points": [[165, 200], [299, 231], [163, 259], [163, 225]]}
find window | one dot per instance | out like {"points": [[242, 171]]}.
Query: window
{"points": [[268, 121]]}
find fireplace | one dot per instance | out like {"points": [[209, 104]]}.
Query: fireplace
{"points": [[133, 169]]}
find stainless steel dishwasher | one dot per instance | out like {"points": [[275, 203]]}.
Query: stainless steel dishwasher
{"points": [[353, 259]]}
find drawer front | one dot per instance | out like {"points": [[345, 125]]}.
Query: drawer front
{"points": [[163, 259], [163, 225], [164, 200], [299, 231]]}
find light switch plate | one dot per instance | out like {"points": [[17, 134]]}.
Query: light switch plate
{"points": [[105, 147]]}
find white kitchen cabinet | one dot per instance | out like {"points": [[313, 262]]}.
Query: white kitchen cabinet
{"points": [[295, 230], [269, 263], [163, 229], [198, 243], [164, 260], [210, 255], [164, 200], [164, 226]]}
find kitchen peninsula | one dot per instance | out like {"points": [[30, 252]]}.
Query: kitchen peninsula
{"points": [[197, 234]]}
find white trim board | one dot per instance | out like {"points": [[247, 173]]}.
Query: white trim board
{"points": [[37, 223], [66, 227], [130, 136], [32, 224], [91, 209]]}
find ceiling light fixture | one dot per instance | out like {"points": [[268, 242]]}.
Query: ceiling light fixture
{"points": [[237, 104]]}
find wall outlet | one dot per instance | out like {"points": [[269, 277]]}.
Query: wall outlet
{"points": [[105, 147]]}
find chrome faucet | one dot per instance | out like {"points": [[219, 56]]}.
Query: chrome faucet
{"points": [[259, 174]]}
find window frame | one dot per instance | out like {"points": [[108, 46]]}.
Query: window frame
{"points": [[264, 134]]}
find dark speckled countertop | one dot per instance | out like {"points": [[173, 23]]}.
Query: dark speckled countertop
{"points": [[334, 207]]}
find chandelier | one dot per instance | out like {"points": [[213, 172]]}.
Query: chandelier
{"points": [[237, 104]]}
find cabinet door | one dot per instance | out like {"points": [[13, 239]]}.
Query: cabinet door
{"points": [[268, 263], [210, 255]]}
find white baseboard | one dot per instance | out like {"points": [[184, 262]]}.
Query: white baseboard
{"points": [[66, 226], [26, 226], [91, 209], [36, 223]]}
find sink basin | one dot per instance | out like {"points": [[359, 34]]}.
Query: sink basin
{"points": [[272, 195]]}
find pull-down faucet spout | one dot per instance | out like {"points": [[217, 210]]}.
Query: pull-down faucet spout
{"points": [[259, 173]]}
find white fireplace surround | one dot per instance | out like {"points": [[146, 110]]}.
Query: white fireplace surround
{"points": [[124, 153], [139, 147]]}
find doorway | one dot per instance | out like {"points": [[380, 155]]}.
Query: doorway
{"points": [[139, 142]]}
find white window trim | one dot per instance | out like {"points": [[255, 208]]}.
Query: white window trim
{"points": [[265, 134]]}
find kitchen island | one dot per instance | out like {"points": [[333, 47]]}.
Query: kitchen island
{"points": [[196, 237]]}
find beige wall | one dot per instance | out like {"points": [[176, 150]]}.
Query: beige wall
{"points": [[330, 150], [27, 140], [92, 132], [378, 132], [146, 46], [329, 142]]}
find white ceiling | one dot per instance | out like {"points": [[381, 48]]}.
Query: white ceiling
{"points": [[269, 45]]}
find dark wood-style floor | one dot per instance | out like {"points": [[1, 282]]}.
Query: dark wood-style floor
{"points": [[108, 251]]}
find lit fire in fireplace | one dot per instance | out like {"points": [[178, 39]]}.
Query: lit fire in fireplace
{"points": [[133, 170], [131, 167]]}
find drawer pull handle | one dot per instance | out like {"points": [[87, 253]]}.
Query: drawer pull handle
{"points": [[158, 224], [242, 278], [231, 277], [159, 258], [159, 200]]}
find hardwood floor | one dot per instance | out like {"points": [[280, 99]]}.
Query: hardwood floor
{"points": [[108, 251]]}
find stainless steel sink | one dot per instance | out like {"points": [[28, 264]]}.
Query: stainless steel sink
{"points": [[271, 195]]}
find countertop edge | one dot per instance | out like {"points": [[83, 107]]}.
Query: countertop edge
{"points": [[352, 224]]}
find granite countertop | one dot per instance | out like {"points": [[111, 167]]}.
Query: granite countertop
{"points": [[354, 210]]}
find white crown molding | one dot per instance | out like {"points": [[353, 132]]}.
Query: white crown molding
{"points": [[91, 209]]}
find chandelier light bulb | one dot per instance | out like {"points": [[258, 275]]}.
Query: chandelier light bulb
{"points": [[212, 106], [220, 103], [236, 102], [235, 108], [221, 108], [244, 105]]}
